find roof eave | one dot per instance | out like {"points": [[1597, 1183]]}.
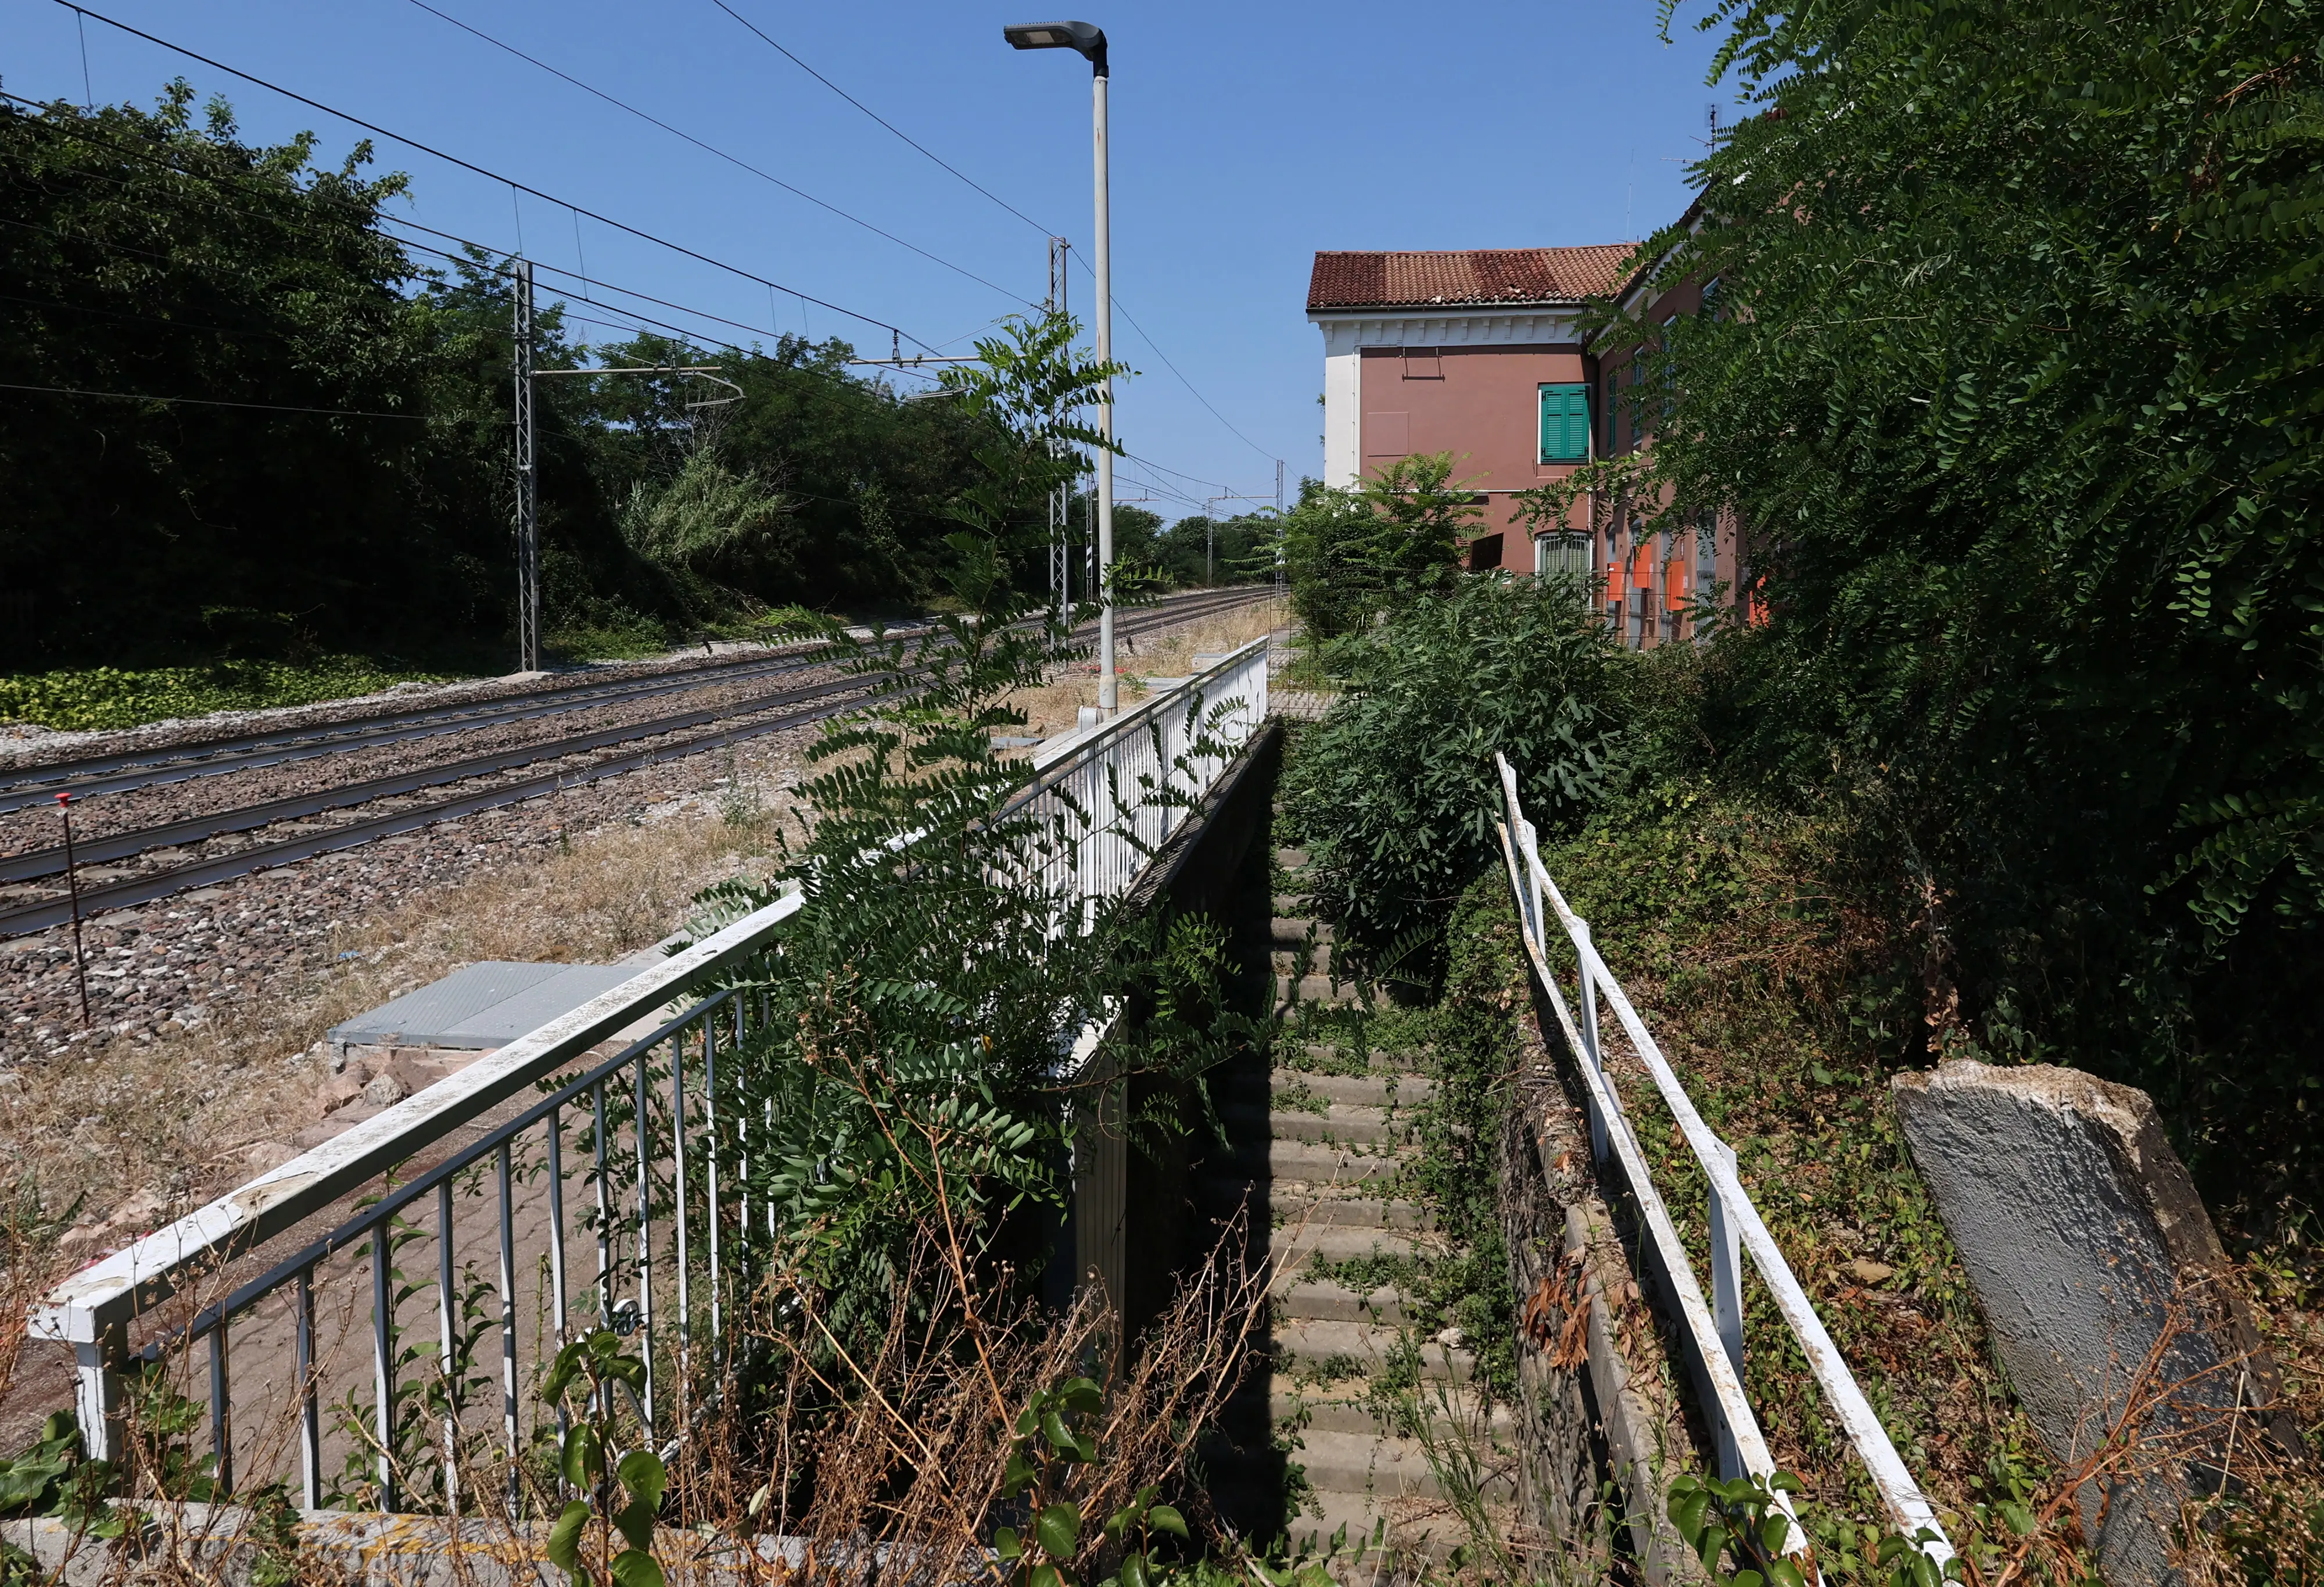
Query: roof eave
{"points": [[1493, 306]]}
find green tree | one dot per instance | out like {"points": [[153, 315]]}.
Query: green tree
{"points": [[1394, 790], [2012, 373], [1351, 554], [151, 254]]}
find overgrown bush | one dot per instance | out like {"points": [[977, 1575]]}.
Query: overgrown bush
{"points": [[2013, 380], [1393, 790], [1352, 555]]}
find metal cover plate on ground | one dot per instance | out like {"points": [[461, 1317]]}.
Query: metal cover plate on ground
{"points": [[486, 1005]]}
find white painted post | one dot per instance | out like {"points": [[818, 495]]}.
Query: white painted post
{"points": [[97, 1391], [1589, 1049], [1534, 874], [1726, 1298]]}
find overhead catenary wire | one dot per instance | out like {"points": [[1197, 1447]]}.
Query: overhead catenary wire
{"points": [[769, 42], [469, 165], [481, 260], [1012, 208], [237, 181], [221, 403], [734, 159]]}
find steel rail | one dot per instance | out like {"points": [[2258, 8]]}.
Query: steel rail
{"points": [[51, 862], [125, 894], [34, 864], [102, 774], [180, 762]]}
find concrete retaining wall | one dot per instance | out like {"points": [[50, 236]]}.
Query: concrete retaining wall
{"points": [[2104, 1288], [1601, 1402]]}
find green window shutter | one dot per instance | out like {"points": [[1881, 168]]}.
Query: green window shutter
{"points": [[1564, 424]]}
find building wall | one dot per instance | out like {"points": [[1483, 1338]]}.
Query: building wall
{"points": [[1467, 381], [1482, 404]]}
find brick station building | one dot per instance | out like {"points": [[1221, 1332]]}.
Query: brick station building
{"points": [[1479, 352]]}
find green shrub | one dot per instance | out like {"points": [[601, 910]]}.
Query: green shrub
{"points": [[98, 697], [1353, 554], [1393, 790]]}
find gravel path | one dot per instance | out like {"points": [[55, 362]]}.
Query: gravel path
{"points": [[171, 964], [173, 961]]}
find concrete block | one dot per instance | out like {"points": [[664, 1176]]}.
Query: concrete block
{"points": [[2102, 1283]]}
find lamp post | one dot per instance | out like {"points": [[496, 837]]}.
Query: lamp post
{"points": [[1090, 40]]}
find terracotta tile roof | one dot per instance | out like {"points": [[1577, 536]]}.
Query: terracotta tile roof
{"points": [[1465, 276]]}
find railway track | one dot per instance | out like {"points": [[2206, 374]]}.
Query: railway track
{"points": [[774, 712], [117, 773]]}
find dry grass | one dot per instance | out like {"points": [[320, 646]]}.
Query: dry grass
{"points": [[1053, 708], [122, 1138]]}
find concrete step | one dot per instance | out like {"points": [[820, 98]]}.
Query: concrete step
{"points": [[1316, 1162], [1327, 1342], [1317, 1300], [1290, 932], [1302, 1204], [1293, 905], [1296, 1204], [1289, 1404], [1249, 1121], [1322, 1052], [1367, 1463], [1377, 1566], [1381, 1088], [1342, 1121], [1314, 989], [1289, 1089], [1293, 1243], [1291, 859]]}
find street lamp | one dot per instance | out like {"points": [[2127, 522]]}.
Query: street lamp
{"points": [[1090, 40]]}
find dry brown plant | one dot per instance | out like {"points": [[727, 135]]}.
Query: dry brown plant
{"points": [[1053, 708], [178, 1118]]}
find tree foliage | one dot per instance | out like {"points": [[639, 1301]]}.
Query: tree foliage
{"points": [[1394, 790], [2013, 376], [912, 1073], [1353, 553], [331, 468]]}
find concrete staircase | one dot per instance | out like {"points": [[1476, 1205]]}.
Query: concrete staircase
{"points": [[1320, 1142]]}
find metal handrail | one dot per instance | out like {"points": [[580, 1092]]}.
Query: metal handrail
{"points": [[1712, 1336], [92, 1310]]}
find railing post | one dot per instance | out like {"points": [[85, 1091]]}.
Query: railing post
{"points": [[1589, 1049], [1727, 1300], [1530, 839], [97, 1394], [221, 1411], [447, 1344]]}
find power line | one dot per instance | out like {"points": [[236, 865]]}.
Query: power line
{"points": [[1183, 381], [883, 120], [471, 166], [732, 160], [219, 179], [1004, 203], [219, 403]]}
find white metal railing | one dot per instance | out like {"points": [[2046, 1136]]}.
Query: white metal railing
{"points": [[1136, 778], [1711, 1335]]}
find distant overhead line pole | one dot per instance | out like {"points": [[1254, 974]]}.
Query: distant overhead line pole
{"points": [[528, 523]]}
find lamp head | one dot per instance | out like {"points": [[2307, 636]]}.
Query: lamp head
{"points": [[1086, 37]]}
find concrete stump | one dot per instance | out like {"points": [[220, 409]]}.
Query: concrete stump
{"points": [[2104, 1286]]}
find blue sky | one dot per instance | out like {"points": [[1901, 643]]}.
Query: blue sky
{"points": [[1246, 137]]}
